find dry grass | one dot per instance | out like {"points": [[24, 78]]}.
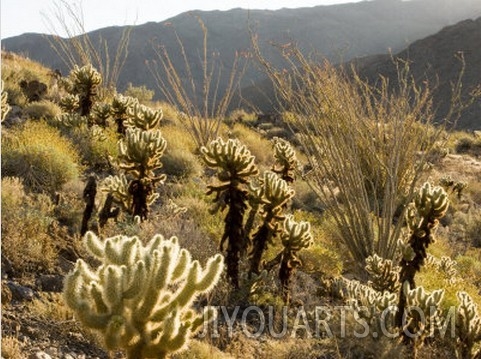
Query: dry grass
{"points": [[28, 246], [11, 348]]}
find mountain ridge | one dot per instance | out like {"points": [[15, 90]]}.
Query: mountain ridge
{"points": [[340, 32]]}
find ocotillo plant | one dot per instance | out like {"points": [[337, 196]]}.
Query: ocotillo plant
{"points": [[468, 327], [273, 193], [286, 160], [140, 298], [235, 166], [422, 216], [296, 236], [84, 82]]}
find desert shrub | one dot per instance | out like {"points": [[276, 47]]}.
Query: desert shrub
{"points": [[141, 93], [469, 268], [473, 228], [96, 145], [25, 223], [240, 116], [305, 197], [42, 110], [363, 143], [260, 147], [180, 164], [200, 350], [11, 348], [468, 145], [40, 156]]}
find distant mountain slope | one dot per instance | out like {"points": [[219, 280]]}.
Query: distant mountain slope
{"points": [[436, 59], [340, 32]]}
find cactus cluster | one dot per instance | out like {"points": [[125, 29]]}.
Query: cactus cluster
{"points": [[5, 107], [444, 265], [140, 298], [383, 274], [468, 326], [369, 304], [447, 182], [423, 314], [429, 204], [235, 165]]}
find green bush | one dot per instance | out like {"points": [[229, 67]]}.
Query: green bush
{"points": [[25, 223], [42, 110], [40, 156], [180, 164]]}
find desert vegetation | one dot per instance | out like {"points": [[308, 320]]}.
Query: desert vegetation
{"points": [[138, 229]]}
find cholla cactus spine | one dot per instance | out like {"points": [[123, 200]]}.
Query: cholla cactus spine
{"points": [[5, 107], [235, 165], [140, 298], [273, 193]]}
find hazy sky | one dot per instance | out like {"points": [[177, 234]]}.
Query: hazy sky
{"points": [[20, 16]]}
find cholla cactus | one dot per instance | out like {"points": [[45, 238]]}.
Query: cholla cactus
{"points": [[384, 275], [5, 107], [423, 314], [118, 187], [73, 120], [140, 298], [296, 236], [468, 327], [369, 304], [430, 204], [101, 114], [235, 166], [143, 117], [140, 152], [286, 160], [273, 193], [84, 83], [70, 103], [121, 106]]}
